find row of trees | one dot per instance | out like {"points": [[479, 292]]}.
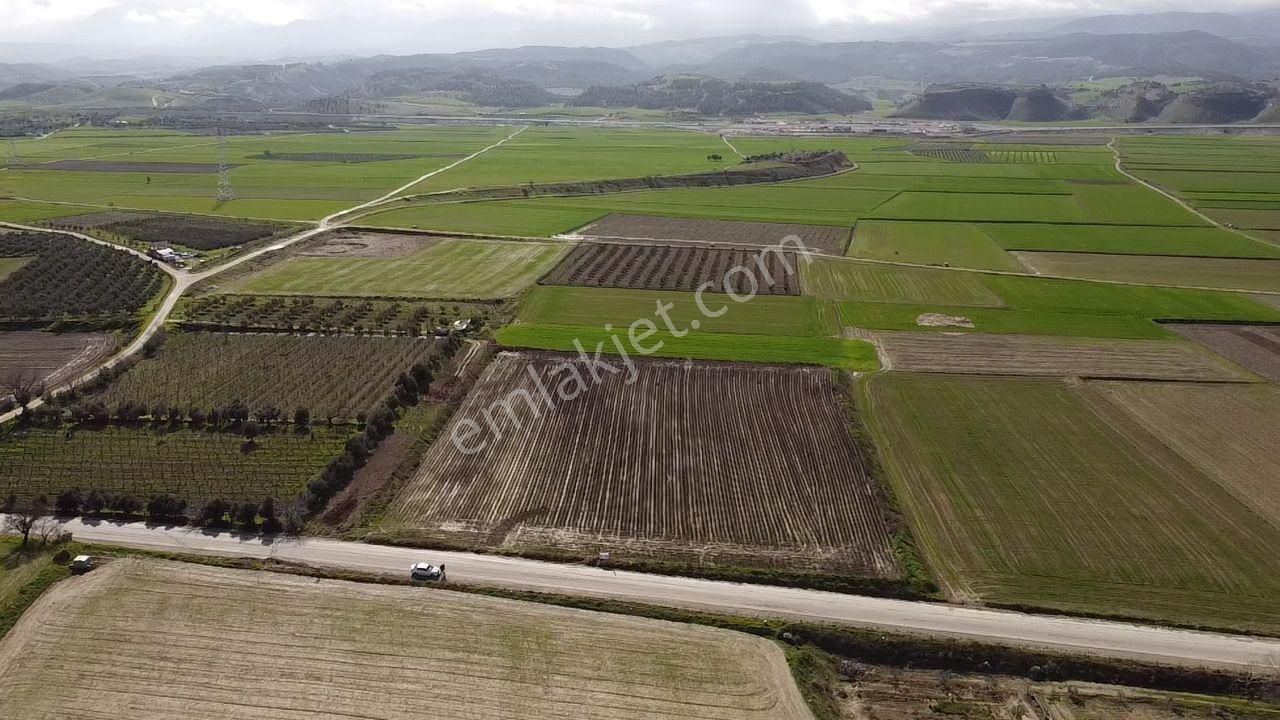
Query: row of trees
{"points": [[26, 517], [337, 475]]}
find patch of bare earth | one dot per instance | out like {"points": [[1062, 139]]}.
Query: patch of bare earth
{"points": [[158, 640], [693, 462], [974, 353], [665, 230], [887, 693], [1256, 347], [51, 358], [940, 320], [369, 245]]}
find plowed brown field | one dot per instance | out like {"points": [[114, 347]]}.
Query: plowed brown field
{"points": [[975, 353], [53, 358], [662, 267], [146, 639], [1256, 347], [818, 238], [751, 465]]}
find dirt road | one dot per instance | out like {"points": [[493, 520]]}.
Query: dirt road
{"points": [[183, 280], [1110, 639]]}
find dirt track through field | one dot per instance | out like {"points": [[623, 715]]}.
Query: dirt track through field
{"points": [[51, 358], [692, 461], [149, 639]]}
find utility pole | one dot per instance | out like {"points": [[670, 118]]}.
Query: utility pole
{"points": [[225, 192], [14, 160]]}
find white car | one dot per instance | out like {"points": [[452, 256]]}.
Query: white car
{"points": [[426, 572]]}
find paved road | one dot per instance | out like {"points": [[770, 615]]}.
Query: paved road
{"points": [[1110, 639]]}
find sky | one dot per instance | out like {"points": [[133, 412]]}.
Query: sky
{"points": [[279, 28]]}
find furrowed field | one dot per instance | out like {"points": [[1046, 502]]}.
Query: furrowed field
{"points": [[658, 468], [187, 641], [1040, 493]]}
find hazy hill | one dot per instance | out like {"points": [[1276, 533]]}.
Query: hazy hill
{"points": [[711, 96], [989, 102]]}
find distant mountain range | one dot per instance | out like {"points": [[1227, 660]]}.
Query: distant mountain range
{"points": [[722, 75]]}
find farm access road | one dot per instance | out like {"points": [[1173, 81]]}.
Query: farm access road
{"points": [[1075, 635], [183, 280]]}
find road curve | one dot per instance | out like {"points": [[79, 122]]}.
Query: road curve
{"points": [[1093, 637]]}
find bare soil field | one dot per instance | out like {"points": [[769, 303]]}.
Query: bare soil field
{"points": [[1228, 432], [888, 693], [368, 245], [663, 267], [818, 238], [151, 639], [51, 358], [1256, 347], [976, 353], [122, 166], [744, 465]]}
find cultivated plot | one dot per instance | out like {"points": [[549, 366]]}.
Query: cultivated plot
{"points": [[51, 358], [163, 640], [1239, 454], [742, 464], [65, 278], [817, 238], [1028, 492], [195, 465], [447, 269], [955, 244], [1054, 356], [1256, 347], [847, 280], [333, 376], [1230, 273], [662, 267]]}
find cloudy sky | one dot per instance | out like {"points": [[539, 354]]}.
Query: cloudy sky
{"points": [[363, 26]]}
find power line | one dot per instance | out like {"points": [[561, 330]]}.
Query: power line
{"points": [[14, 160], [225, 192]]}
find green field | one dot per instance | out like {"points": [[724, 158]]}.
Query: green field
{"points": [[845, 280], [977, 207], [449, 269], [856, 355], [774, 315], [890, 316], [1128, 240], [956, 244], [9, 266], [1075, 296], [540, 155], [1231, 273], [264, 188], [1035, 493]]}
